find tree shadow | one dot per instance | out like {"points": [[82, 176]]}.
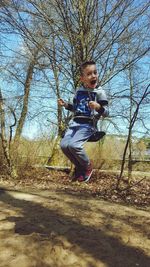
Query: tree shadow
{"points": [[128, 219], [91, 240], [132, 220], [123, 218]]}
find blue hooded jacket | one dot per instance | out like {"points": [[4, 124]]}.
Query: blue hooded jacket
{"points": [[80, 106]]}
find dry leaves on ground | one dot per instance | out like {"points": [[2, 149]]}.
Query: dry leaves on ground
{"points": [[101, 185]]}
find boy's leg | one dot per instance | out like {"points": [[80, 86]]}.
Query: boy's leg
{"points": [[64, 144], [72, 147], [76, 144]]}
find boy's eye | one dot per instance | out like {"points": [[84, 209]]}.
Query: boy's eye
{"points": [[88, 73]]}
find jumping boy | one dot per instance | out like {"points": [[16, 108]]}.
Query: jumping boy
{"points": [[89, 102]]}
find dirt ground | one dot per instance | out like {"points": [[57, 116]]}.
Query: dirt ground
{"points": [[57, 226]]}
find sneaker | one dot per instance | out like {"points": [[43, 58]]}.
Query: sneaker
{"points": [[81, 178], [87, 175], [75, 175]]}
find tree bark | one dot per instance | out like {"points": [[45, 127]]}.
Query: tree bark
{"points": [[5, 143], [27, 86], [130, 129]]}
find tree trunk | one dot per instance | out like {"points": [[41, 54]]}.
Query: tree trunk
{"points": [[56, 77], [130, 129], [130, 159], [26, 98], [5, 143], [132, 122]]}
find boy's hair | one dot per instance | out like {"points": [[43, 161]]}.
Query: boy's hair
{"points": [[85, 64]]}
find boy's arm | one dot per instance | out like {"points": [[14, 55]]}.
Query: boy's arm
{"points": [[103, 110], [69, 106], [100, 107], [65, 104], [102, 100]]}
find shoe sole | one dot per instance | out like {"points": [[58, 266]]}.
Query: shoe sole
{"points": [[89, 177]]}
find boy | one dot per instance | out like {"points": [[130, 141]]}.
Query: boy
{"points": [[88, 102]]}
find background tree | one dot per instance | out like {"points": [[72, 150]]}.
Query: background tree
{"points": [[63, 34], [145, 94], [4, 139]]}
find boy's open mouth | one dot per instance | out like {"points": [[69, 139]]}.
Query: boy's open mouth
{"points": [[93, 82]]}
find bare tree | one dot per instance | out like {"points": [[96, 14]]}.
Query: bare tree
{"points": [[27, 86], [98, 30], [74, 31], [5, 143], [130, 126], [145, 94]]}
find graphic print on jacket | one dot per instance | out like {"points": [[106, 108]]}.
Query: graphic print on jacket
{"points": [[81, 103]]}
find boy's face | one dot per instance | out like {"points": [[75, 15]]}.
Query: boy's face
{"points": [[89, 77]]}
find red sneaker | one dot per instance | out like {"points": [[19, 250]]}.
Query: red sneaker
{"points": [[81, 178], [87, 175]]}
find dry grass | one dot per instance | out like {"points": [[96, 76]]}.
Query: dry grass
{"points": [[104, 154]]}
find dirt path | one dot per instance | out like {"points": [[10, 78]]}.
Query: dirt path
{"points": [[53, 228]]}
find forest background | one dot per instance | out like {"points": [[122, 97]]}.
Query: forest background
{"points": [[42, 44]]}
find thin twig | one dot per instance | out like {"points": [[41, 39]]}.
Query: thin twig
{"points": [[130, 186]]}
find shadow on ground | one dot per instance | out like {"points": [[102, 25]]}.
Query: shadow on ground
{"points": [[63, 226]]}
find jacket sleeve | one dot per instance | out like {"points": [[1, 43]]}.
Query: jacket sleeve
{"points": [[70, 107], [70, 104], [103, 101]]}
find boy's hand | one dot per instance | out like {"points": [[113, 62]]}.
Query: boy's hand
{"points": [[94, 105], [61, 102]]}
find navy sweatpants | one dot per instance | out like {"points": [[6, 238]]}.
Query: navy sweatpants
{"points": [[73, 142]]}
